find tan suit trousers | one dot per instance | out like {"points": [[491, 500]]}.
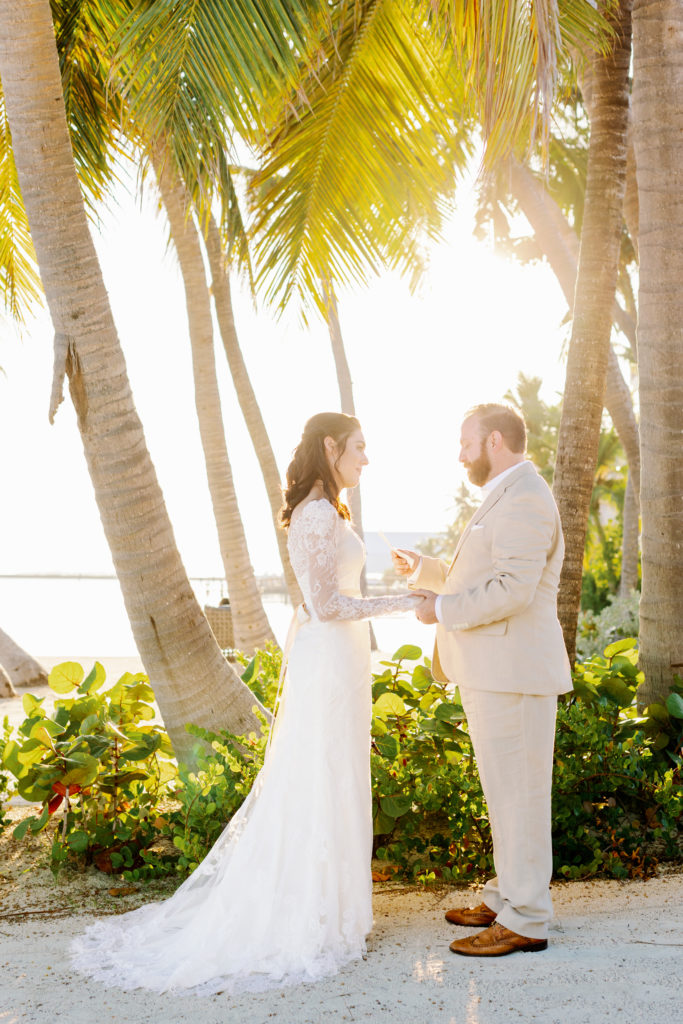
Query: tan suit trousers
{"points": [[513, 735]]}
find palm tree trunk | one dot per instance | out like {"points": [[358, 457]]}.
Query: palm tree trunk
{"points": [[6, 688], [658, 141], [250, 622], [561, 247], [629, 541], [592, 323], [349, 407], [192, 680], [222, 297], [22, 669]]}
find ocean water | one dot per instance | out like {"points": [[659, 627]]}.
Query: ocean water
{"points": [[86, 618]]}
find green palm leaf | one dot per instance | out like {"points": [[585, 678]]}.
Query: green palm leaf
{"points": [[510, 54], [19, 280], [92, 111], [357, 169]]}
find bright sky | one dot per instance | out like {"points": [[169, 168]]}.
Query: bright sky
{"points": [[417, 363]]}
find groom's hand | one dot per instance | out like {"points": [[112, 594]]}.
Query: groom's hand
{"points": [[403, 566], [426, 612]]}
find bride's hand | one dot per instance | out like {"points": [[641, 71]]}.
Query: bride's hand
{"points": [[425, 612]]}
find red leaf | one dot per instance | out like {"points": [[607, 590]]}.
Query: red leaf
{"points": [[54, 803], [60, 788]]}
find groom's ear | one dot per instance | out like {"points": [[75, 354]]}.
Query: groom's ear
{"points": [[496, 440]]}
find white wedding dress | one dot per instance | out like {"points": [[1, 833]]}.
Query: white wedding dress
{"points": [[284, 896]]}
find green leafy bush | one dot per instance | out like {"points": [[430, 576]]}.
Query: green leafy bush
{"points": [[617, 798], [6, 786], [429, 814], [99, 760], [205, 800], [262, 673]]}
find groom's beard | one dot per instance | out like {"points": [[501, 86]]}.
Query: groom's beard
{"points": [[479, 469]]}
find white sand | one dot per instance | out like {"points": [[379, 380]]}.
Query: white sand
{"points": [[615, 955]]}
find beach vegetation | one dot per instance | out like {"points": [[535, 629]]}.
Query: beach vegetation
{"points": [[111, 795]]}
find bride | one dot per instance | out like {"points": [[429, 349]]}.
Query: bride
{"points": [[284, 896]]}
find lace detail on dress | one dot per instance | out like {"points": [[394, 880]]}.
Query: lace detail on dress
{"points": [[314, 537]]}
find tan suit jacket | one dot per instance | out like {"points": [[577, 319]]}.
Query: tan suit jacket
{"points": [[501, 630]]}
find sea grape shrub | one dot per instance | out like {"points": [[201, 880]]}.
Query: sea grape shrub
{"points": [[429, 815], [617, 798], [103, 768], [6, 781], [100, 763], [205, 799]]}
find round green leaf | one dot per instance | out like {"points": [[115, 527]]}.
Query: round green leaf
{"points": [[389, 704], [395, 806], [32, 706], [387, 746], [422, 677], [409, 652], [674, 705], [382, 823], [96, 676], [77, 841], [627, 644], [446, 712], [66, 677]]}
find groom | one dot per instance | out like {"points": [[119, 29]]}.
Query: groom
{"points": [[498, 638]]}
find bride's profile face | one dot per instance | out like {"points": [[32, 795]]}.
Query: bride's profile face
{"points": [[348, 467]]}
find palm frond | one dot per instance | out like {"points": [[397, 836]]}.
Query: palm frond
{"points": [[20, 283], [227, 52], [510, 53], [357, 169], [93, 114]]}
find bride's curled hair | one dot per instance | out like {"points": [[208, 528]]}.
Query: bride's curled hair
{"points": [[309, 462]]}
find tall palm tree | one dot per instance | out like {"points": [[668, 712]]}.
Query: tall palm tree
{"points": [[592, 318], [560, 245], [193, 682], [222, 297], [658, 142], [250, 622]]}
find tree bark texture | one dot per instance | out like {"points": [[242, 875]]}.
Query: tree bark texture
{"points": [[561, 248], [629, 541], [20, 666], [658, 141], [592, 320], [6, 688], [192, 680], [222, 297], [250, 622]]}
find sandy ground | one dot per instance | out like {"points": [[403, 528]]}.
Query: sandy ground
{"points": [[615, 955]]}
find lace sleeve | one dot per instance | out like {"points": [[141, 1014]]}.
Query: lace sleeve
{"points": [[319, 538]]}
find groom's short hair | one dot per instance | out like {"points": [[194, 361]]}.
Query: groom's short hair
{"points": [[492, 416]]}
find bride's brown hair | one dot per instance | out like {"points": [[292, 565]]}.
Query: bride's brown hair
{"points": [[309, 462]]}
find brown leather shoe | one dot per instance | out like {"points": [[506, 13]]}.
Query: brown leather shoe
{"points": [[497, 941], [471, 917]]}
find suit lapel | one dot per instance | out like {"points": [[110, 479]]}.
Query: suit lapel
{"points": [[487, 504]]}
